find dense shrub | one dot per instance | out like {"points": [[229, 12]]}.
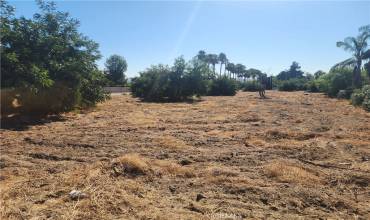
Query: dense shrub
{"points": [[222, 87], [293, 79], [159, 83], [335, 81], [357, 97], [312, 86], [322, 83], [251, 86], [151, 84], [292, 84], [366, 104], [340, 81], [344, 94], [361, 97], [47, 62], [92, 89]]}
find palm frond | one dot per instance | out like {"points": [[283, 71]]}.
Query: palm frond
{"points": [[366, 55], [347, 44], [365, 28], [346, 63]]}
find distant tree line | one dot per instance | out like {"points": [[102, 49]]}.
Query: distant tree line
{"points": [[47, 66], [194, 78]]}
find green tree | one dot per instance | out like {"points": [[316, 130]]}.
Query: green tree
{"points": [[230, 67], [254, 73], [239, 69], [319, 73], [116, 67], [213, 60], [294, 71], [175, 83], [46, 59], [358, 47], [202, 56], [367, 68], [246, 75], [223, 60]]}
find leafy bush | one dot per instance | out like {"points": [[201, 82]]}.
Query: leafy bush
{"points": [[322, 83], [340, 81], [334, 81], [151, 85], [92, 89], [361, 97], [366, 105], [222, 87], [312, 86], [251, 86], [159, 83], [292, 84], [357, 97], [48, 62]]}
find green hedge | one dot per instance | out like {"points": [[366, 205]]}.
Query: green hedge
{"points": [[161, 83], [333, 82], [222, 87], [361, 97], [251, 86], [296, 84]]}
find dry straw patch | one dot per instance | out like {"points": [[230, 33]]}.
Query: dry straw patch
{"points": [[287, 172], [136, 165], [222, 134], [221, 175], [140, 118], [215, 171], [171, 142], [170, 168], [130, 164]]}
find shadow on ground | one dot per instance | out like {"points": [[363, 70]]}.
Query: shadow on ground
{"points": [[23, 122]]}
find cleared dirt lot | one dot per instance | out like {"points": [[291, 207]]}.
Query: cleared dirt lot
{"points": [[292, 155]]}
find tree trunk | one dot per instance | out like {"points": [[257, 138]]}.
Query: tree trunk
{"points": [[220, 69], [357, 75]]}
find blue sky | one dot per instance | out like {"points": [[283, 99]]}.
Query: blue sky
{"points": [[267, 35]]}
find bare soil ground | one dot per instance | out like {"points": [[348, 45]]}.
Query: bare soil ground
{"points": [[290, 156]]}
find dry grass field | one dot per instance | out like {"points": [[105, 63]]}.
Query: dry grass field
{"points": [[291, 156]]}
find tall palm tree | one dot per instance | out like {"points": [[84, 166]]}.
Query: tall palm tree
{"points": [[358, 47], [240, 68], [247, 74], [202, 55], [223, 59], [213, 59], [231, 68]]}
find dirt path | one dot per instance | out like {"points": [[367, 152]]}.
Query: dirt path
{"points": [[239, 157]]}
